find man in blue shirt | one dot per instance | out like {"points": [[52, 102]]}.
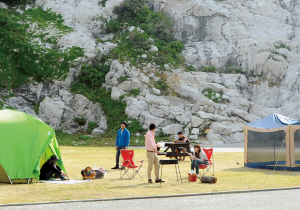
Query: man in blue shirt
{"points": [[122, 142]]}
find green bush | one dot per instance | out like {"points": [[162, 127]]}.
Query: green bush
{"points": [[102, 2], [135, 92], [131, 45], [80, 120], [209, 69], [113, 26], [18, 2], [190, 68], [123, 78], [93, 74], [162, 86], [45, 19], [91, 126], [114, 110], [135, 127], [28, 60], [36, 108], [160, 26], [9, 107], [132, 11], [139, 40]]}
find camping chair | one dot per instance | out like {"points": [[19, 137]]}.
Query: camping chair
{"points": [[207, 168], [128, 164]]}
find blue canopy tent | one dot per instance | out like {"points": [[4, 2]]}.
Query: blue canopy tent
{"points": [[272, 142]]}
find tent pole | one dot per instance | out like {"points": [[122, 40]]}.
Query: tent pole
{"points": [[28, 180], [279, 153], [9, 180], [274, 155], [245, 144]]}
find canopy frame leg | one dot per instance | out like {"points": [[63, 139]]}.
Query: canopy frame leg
{"points": [[9, 179], [28, 180]]}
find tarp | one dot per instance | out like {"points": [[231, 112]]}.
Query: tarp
{"points": [[273, 121], [25, 144]]}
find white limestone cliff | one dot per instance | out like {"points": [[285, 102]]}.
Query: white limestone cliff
{"points": [[259, 37]]}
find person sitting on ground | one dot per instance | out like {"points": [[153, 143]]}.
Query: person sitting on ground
{"points": [[198, 157], [50, 168], [182, 139]]}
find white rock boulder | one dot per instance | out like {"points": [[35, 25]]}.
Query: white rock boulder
{"points": [[172, 129]]}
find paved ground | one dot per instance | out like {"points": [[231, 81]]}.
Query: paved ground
{"points": [[280, 199]]}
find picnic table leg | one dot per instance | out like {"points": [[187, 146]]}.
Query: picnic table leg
{"points": [[160, 172], [176, 172], [167, 149], [179, 173]]}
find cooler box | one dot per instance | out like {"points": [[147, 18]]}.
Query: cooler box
{"points": [[192, 177], [100, 173]]}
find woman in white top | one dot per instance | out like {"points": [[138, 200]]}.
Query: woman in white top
{"points": [[198, 157]]}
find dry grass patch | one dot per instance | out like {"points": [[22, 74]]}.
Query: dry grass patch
{"points": [[230, 177]]}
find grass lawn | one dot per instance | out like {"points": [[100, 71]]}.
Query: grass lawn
{"points": [[104, 140], [231, 176]]}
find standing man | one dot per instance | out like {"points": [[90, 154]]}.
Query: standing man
{"points": [[151, 154], [122, 141]]}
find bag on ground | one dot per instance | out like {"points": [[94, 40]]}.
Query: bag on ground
{"points": [[88, 173], [208, 179]]}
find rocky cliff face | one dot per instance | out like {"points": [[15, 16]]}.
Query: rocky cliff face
{"points": [[259, 38]]}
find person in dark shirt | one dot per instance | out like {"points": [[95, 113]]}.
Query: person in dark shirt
{"points": [[50, 168], [182, 139]]}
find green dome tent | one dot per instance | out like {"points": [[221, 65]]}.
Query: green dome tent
{"points": [[26, 143]]}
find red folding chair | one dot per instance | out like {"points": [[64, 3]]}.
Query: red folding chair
{"points": [[208, 167], [128, 164]]}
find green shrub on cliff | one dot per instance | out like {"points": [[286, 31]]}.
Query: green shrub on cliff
{"points": [[22, 59], [114, 110], [93, 74], [151, 28], [17, 2]]}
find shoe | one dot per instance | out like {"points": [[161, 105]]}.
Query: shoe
{"points": [[159, 180], [122, 168], [116, 167], [150, 181]]}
